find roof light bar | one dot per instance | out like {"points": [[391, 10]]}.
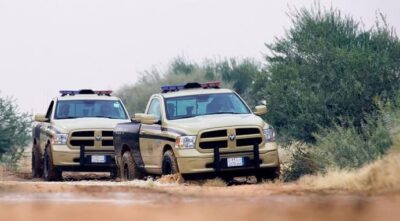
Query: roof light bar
{"points": [[211, 84], [177, 87], [103, 92], [68, 92], [169, 88], [85, 91]]}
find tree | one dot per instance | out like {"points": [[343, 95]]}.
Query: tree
{"points": [[239, 74], [15, 130], [327, 68]]}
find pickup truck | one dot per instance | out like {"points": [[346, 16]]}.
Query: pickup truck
{"points": [[76, 134], [197, 130]]}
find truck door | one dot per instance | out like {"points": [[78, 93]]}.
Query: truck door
{"points": [[45, 127], [150, 141]]}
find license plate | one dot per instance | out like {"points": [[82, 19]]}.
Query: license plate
{"points": [[98, 159], [235, 162]]}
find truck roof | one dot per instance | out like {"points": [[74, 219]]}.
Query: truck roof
{"points": [[195, 91]]}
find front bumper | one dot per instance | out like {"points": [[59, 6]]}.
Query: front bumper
{"points": [[255, 159], [69, 159]]}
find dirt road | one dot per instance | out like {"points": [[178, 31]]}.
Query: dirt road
{"points": [[97, 198]]}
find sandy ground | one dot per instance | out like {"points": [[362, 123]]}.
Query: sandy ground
{"points": [[89, 196], [94, 197]]}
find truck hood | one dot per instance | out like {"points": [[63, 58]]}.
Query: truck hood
{"points": [[193, 126], [66, 125]]}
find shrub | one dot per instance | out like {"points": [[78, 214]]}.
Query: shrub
{"points": [[15, 130], [327, 67], [300, 162], [346, 147]]}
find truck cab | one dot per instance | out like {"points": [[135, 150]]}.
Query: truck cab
{"points": [[197, 129], [76, 134]]}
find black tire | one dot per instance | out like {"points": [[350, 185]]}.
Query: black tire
{"points": [[268, 174], [50, 172], [169, 164], [114, 173], [129, 170], [37, 162]]}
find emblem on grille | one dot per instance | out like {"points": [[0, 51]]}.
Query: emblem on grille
{"points": [[97, 138], [232, 137]]}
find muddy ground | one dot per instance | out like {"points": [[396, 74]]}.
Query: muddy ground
{"points": [[95, 197]]}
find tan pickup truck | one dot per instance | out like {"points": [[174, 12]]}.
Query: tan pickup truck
{"points": [[197, 130], [76, 134]]}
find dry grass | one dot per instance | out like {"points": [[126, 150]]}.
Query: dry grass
{"points": [[379, 176], [175, 178], [217, 182]]}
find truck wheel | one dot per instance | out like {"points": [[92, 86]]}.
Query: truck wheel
{"points": [[268, 174], [50, 172], [129, 170], [114, 173], [37, 163], [169, 164]]}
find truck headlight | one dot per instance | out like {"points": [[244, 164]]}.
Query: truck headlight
{"points": [[185, 142], [269, 134], [60, 139]]}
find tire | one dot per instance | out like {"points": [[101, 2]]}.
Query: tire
{"points": [[50, 172], [268, 174], [114, 174], [129, 170], [37, 163], [169, 164]]}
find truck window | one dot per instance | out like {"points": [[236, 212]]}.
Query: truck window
{"points": [[204, 104], [154, 108], [69, 109]]}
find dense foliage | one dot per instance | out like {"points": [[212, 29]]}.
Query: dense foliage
{"points": [[14, 131], [326, 69]]}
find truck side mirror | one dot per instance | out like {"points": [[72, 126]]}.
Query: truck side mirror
{"points": [[41, 118], [136, 117], [145, 118], [260, 110]]}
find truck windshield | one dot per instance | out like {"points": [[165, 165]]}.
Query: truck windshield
{"points": [[70, 109], [204, 104]]}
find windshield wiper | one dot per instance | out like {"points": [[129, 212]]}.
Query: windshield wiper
{"points": [[101, 116], [177, 118], [69, 117], [225, 112]]}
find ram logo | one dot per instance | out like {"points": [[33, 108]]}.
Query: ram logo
{"points": [[232, 137], [97, 138]]}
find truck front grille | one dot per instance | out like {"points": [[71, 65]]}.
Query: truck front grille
{"points": [[91, 138], [231, 138], [212, 144], [83, 134], [85, 143]]}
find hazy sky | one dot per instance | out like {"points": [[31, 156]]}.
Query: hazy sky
{"points": [[48, 45]]}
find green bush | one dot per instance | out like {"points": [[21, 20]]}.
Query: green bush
{"points": [[345, 147], [15, 130], [301, 162], [327, 68]]}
